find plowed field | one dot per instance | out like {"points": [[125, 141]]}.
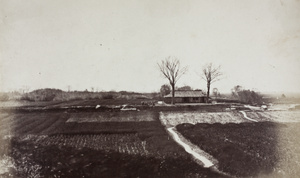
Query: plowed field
{"points": [[46, 145]]}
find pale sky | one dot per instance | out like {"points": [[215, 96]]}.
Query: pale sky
{"points": [[116, 44]]}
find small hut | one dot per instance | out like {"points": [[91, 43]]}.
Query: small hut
{"points": [[187, 96]]}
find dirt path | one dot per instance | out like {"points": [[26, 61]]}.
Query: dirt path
{"points": [[246, 117], [206, 162]]}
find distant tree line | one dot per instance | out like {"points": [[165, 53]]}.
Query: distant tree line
{"points": [[246, 96], [49, 94]]}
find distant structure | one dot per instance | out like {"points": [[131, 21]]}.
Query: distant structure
{"points": [[187, 96]]}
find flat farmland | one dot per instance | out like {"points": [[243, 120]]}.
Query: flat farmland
{"points": [[137, 144], [126, 116], [251, 149], [63, 144]]}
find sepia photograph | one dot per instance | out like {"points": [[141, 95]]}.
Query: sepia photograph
{"points": [[149, 88]]}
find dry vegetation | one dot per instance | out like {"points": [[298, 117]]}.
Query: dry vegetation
{"points": [[276, 116], [174, 118], [193, 117]]}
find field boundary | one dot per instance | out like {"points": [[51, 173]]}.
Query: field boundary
{"points": [[246, 117], [204, 158], [201, 157]]}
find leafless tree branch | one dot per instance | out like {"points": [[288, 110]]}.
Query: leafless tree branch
{"points": [[171, 69], [211, 74]]}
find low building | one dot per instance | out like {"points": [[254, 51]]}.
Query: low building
{"points": [[189, 96]]}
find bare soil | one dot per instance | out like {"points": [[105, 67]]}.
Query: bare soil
{"points": [[37, 140], [43, 144], [249, 149]]}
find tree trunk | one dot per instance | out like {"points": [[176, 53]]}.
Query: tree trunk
{"points": [[208, 88], [173, 93]]}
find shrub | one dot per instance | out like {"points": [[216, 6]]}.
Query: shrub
{"points": [[246, 96], [4, 97], [249, 97], [26, 98], [108, 96]]}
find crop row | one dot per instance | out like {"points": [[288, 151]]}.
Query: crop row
{"points": [[9, 124], [5, 124], [111, 117], [4, 117], [122, 143], [20, 124]]}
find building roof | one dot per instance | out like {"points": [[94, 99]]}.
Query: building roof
{"points": [[188, 93]]}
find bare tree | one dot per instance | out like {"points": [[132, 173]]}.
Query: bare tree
{"points": [[211, 74], [170, 68]]}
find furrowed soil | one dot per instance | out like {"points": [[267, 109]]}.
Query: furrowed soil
{"points": [[249, 149], [112, 117], [44, 144]]}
